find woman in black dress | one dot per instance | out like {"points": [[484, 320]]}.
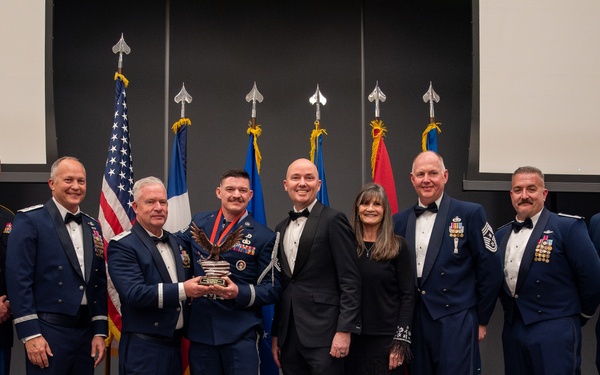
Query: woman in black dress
{"points": [[388, 292]]}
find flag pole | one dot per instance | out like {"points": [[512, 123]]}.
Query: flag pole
{"points": [[381, 167], [120, 48], [429, 138]]}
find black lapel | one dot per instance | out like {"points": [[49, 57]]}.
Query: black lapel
{"points": [[63, 235], [308, 236], [285, 266]]}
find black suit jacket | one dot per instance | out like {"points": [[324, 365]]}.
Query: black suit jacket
{"points": [[324, 289]]}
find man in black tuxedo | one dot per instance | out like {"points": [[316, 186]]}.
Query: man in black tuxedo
{"points": [[320, 302]]}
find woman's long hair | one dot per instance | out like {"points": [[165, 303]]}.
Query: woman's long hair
{"points": [[387, 244]]}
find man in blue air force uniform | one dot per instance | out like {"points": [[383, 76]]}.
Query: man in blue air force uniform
{"points": [[551, 282], [457, 268], [226, 323], [149, 270], [56, 278]]}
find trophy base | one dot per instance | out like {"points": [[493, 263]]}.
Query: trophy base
{"points": [[208, 281]]}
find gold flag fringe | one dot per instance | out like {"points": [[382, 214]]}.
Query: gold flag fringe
{"points": [[125, 80], [378, 132], [178, 124], [317, 131], [256, 131], [433, 125]]}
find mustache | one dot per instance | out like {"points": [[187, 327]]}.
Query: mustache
{"points": [[521, 201]]}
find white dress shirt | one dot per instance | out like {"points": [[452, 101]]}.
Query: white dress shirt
{"points": [[292, 235], [423, 229]]}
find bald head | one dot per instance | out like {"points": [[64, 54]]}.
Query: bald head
{"points": [[302, 183]]}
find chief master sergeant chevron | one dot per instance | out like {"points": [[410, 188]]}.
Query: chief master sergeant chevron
{"points": [[56, 279], [225, 325], [458, 272], [551, 282]]}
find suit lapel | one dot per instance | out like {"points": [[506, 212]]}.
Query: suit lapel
{"points": [[529, 253], [285, 266], [177, 256], [158, 260], [63, 235], [308, 236], [411, 227], [88, 247], [502, 253], [437, 235]]}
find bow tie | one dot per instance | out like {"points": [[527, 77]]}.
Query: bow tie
{"points": [[164, 238], [517, 226], [294, 215], [70, 217], [419, 210]]}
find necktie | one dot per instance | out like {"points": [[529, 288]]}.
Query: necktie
{"points": [[70, 217], [517, 226], [294, 215], [164, 238], [419, 210]]}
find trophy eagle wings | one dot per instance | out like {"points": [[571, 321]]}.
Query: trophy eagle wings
{"points": [[215, 250]]}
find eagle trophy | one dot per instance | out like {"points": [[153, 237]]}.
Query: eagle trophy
{"points": [[215, 250]]}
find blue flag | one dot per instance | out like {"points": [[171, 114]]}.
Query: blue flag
{"points": [[322, 195], [177, 191], [256, 206], [432, 143]]}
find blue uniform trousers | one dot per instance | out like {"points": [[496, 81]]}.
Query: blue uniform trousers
{"points": [[448, 345], [142, 355], [71, 348], [543, 348], [238, 358]]}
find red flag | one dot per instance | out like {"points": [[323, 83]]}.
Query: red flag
{"points": [[380, 164]]}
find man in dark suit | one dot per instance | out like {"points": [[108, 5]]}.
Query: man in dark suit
{"points": [[551, 282], [595, 236], [149, 270], [320, 303], [6, 327], [226, 324], [457, 268], [56, 278]]}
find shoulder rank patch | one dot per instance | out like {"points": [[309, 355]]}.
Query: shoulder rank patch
{"points": [[488, 238], [121, 235], [571, 216], [31, 208]]}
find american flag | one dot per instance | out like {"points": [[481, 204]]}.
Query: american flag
{"points": [[116, 213]]}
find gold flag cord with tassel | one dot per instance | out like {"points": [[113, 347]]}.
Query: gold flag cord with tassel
{"points": [[317, 131], [378, 132], [433, 125], [256, 131], [125, 80], [178, 124]]}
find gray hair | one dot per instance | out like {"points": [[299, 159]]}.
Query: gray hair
{"points": [[139, 184], [54, 166]]}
